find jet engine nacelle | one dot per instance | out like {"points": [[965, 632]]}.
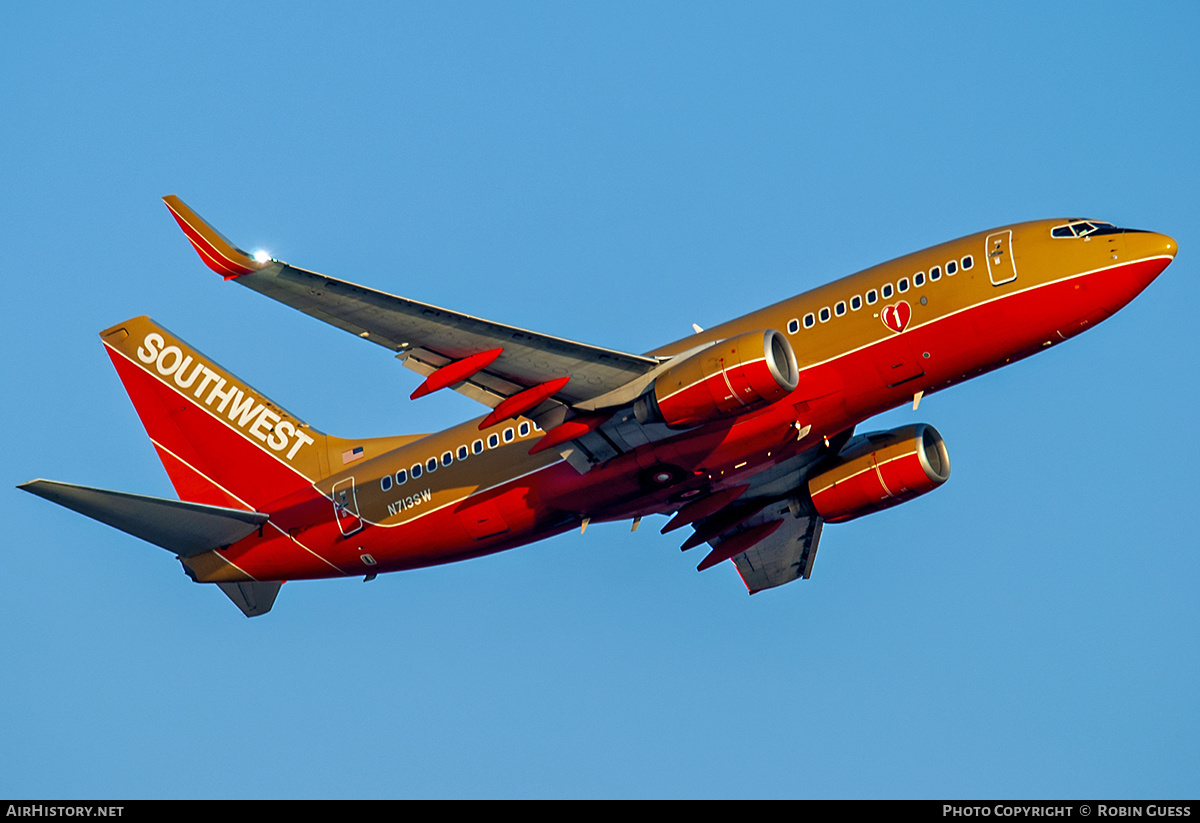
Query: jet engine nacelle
{"points": [[726, 379], [879, 470]]}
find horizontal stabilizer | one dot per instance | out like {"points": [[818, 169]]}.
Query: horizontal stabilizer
{"points": [[184, 528]]}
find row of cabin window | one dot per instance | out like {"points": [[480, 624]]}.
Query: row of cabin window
{"points": [[448, 457], [886, 291]]}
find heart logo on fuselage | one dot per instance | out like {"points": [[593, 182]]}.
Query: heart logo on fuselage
{"points": [[896, 316]]}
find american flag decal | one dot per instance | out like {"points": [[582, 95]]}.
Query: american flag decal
{"points": [[352, 455]]}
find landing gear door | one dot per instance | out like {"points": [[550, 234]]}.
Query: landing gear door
{"points": [[345, 507], [1002, 268]]}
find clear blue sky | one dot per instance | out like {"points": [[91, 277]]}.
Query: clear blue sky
{"points": [[610, 173]]}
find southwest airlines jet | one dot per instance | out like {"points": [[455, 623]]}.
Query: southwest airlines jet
{"points": [[743, 433]]}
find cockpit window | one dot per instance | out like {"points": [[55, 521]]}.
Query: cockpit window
{"points": [[1082, 228]]}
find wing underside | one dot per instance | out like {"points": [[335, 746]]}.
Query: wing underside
{"points": [[785, 555], [766, 526], [427, 338]]}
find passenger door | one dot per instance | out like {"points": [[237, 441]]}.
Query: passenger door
{"points": [[345, 507], [1002, 268]]}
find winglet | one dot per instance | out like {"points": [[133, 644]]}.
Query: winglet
{"points": [[213, 247]]}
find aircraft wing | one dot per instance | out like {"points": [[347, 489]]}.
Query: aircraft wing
{"points": [[769, 541], [785, 555], [426, 337]]}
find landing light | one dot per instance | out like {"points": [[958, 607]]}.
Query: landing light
{"points": [[262, 256]]}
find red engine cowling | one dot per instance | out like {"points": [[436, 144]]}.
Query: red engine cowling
{"points": [[728, 378], [879, 471]]}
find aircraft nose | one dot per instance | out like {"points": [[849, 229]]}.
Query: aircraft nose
{"points": [[1144, 244], [1156, 251]]}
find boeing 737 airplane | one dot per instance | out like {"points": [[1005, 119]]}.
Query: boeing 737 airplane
{"points": [[743, 432]]}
